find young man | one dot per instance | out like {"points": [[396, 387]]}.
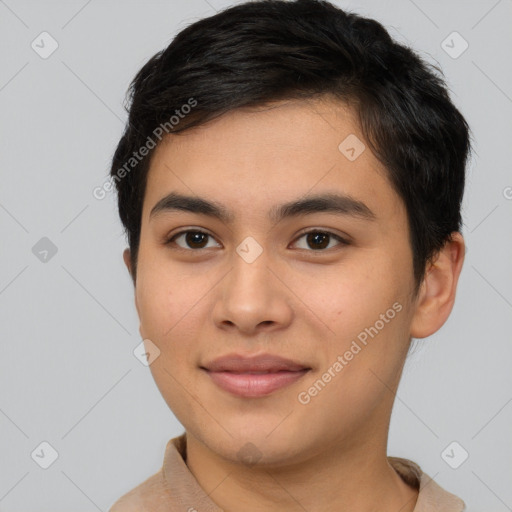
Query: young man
{"points": [[290, 182]]}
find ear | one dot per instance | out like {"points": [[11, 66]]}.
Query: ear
{"points": [[127, 262], [437, 292]]}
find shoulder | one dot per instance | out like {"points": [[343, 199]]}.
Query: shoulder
{"points": [[155, 494], [150, 495], [438, 498], [432, 497]]}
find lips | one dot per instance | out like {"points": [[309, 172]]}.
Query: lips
{"points": [[263, 363], [254, 376]]}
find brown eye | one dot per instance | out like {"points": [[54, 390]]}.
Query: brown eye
{"points": [[192, 239], [195, 239], [317, 240], [320, 240]]}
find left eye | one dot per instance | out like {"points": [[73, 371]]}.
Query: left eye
{"points": [[319, 240]]}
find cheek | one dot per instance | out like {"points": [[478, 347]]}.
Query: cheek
{"points": [[154, 302], [164, 296], [170, 309], [346, 299], [166, 315], [365, 305]]}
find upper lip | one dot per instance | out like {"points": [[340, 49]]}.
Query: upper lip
{"points": [[259, 363]]}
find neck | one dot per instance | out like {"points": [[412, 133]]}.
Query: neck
{"points": [[338, 478]]}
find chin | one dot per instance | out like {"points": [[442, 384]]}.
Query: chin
{"points": [[262, 444]]}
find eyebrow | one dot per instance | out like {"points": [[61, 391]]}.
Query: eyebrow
{"points": [[321, 203]]}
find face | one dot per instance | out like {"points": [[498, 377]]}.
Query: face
{"points": [[326, 284]]}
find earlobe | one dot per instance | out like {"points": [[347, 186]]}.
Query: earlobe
{"points": [[437, 293]]}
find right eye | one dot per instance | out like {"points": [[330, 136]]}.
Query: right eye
{"points": [[194, 239]]}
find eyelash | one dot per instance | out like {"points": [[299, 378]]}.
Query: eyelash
{"points": [[338, 238]]}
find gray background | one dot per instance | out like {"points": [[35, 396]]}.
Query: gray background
{"points": [[68, 375]]}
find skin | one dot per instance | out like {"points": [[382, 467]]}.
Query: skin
{"points": [[293, 300]]}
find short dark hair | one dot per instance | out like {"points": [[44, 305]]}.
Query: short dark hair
{"points": [[258, 52]]}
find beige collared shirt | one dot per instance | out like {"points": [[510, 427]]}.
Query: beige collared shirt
{"points": [[175, 489]]}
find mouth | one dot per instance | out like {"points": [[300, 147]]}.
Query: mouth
{"points": [[252, 376], [255, 384]]}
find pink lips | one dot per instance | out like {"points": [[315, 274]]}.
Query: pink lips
{"points": [[254, 376]]}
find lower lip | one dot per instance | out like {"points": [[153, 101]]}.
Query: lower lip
{"points": [[252, 385]]}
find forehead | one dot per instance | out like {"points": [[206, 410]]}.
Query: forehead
{"points": [[254, 158]]}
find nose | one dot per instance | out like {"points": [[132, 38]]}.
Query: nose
{"points": [[252, 299]]}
